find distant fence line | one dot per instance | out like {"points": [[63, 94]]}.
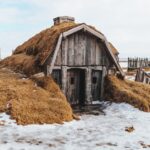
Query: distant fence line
{"points": [[134, 63]]}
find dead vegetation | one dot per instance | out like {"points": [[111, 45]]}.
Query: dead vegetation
{"points": [[32, 101], [21, 63], [134, 93], [29, 57], [129, 129], [43, 44]]}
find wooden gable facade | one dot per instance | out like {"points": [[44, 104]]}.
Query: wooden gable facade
{"points": [[79, 63]]}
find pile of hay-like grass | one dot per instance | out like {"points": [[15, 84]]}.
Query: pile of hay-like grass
{"points": [[134, 93], [43, 43], [35, 101], [21, 63]]}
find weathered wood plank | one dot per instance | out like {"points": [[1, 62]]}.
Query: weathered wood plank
{"points": [[58, 58], [76, 49], [71, 50], [55, 53], [71, 31], [93, 55], [88, 50], [80, 49], [98, 54]]}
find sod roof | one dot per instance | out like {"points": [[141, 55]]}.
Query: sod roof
{"points": [[42, 44]]}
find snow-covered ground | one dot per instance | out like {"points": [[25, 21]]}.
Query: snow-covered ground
{"points": [[130, 77], [103, 132]]}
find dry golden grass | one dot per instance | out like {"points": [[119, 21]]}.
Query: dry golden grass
{"points": [[147, 69], [21, 63], [134, 93], [43, 43], [30, 102]]}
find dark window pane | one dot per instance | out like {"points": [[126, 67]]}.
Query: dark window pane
{"points": [[94, 80], [72, 80]]}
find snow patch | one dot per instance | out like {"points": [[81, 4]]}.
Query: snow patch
{"points": [[103, 132]]}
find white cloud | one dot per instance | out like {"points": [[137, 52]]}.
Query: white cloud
{"points": [[125, 23]]}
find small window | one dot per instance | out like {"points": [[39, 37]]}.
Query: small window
{"points": [[94, 80], [72, 80]]}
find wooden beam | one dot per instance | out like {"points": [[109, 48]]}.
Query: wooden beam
{"points": [[114, 59], [102, 82], [71, 31], [55, 53], [97, 34]]}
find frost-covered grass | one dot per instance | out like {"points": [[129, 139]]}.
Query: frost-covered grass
{"points": [[103, 132]]}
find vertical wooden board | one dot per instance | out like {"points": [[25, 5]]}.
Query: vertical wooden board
{"points": [[71, 50], [96, 84], [93, 55], [97, 54], [56, 74], [76, 86], [58, 58], [72, 56], [84, 48], [88, 50], [76, 49], [63, 52], [95, 41], [72, 86], [102, 53], [105, 58], [78, 56], [80, 49]]}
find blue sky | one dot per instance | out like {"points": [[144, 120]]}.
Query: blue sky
{"points": [[125, 23]]}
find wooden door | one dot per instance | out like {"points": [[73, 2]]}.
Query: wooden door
{"points": [[96, 84], [76, 86]]}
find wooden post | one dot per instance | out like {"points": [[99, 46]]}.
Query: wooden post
{"points": [[88, 94], [55, 53], [64, 79], [102, 82]]}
